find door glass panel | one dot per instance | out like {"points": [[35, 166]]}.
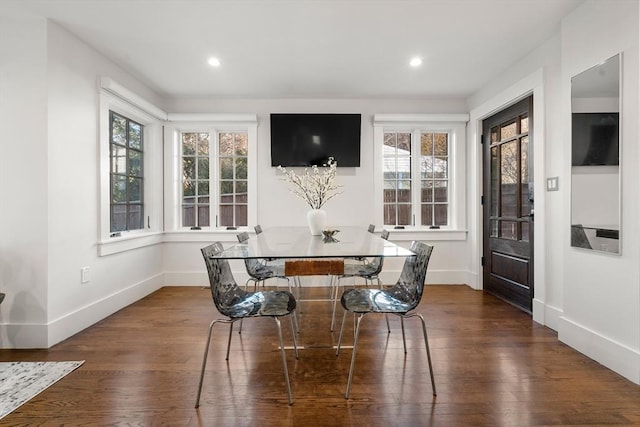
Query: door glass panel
{"points": [[509, 230], [525, 231], [524, 172], [524, 124], [493, 228], [508, 178], [494, 182], [508, 131]]}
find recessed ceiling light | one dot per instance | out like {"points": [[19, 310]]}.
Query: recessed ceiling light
{"points": [[415, 61], [214, 62]]}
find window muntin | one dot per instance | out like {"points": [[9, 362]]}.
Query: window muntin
{"points": [[195, 179], [126, 173]]}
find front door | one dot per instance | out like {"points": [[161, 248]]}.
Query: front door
{"points": [[508, 204]]}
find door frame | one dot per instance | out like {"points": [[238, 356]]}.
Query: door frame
{"points": [[531, 84]]}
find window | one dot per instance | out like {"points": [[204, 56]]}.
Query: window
{"points": [[215, 184], [399, 155], [419, 181], [230, 184], [127, 173], [131, 180]]}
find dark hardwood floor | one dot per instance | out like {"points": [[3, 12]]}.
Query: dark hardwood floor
{"points": [[493, 367]]}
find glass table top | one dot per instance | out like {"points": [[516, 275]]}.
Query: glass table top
{"points": [[297, 242]]}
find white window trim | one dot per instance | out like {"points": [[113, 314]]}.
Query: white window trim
{"points": [[455, 124], [212, 123], [113, 97]]}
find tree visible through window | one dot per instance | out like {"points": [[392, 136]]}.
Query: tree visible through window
{"points": [[126, 173], [195, 179], [233, 174]]}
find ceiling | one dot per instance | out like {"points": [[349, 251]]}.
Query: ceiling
{"points": [[309, 48]]}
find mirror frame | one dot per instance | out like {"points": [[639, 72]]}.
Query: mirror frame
{"points": [[598, 237]]}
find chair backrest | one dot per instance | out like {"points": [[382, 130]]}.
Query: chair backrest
{"points": [[242, 237], [410, 285], [258, 229], [252, 264], [224, 289], [371, 228], [376, 263]]}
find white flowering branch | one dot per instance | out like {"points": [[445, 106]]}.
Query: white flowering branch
{"points": [[315, 187]]}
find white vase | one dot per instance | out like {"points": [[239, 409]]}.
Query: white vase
{"points": [[317, 219]]}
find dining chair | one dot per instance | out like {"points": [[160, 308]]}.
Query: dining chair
{"points": [[260, 270], [369, 272], [236, 304], [399, 300]]}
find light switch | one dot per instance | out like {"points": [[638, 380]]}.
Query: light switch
{"points": [[552, 184]]}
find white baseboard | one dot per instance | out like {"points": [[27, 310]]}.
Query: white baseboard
{"points": [[546, 315], [48, 334], [615, 356]]}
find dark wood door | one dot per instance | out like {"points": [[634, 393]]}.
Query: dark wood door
{"points": [[508, 204]]}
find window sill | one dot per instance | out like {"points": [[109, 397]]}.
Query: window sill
{"points": [[128, 242], [204, 235], [414, 233]]}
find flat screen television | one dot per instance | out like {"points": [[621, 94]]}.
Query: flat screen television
{"points": [[594, 139], [310, 139]]}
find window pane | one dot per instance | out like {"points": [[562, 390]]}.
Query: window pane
{"points": [[426, 167], [135, 190], [118, 189], [494, 134], [390, 194], [134, 218], [135, 136], [440, 167], [241, 192], [203, 188], [241, 215], [226, 144], [404, 143], [226, 168], [493, 208], [426, 144], [241, 168], [404, 191], [203, 144], [118, 129], [135, 163], [241, 143], [189, 141], [441, 144], [226, 215], [188, 216], [404, 214], [426, 193], [440, 212], [493, 228], [188, 168], [118, 159], [203, 215], [524, 186], [524, 124], [118, 218], [508, 230], [188, 189], [426, 215], [441, 193], [203, 167], [390, 140], [509, 178], [508, 131], [389, 211]]}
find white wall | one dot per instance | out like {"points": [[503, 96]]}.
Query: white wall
{"points": [[601, 310], [278, 207], [23, 178]]}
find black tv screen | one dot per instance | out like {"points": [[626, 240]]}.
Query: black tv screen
{"points": [[594, 139], [310, 139]]}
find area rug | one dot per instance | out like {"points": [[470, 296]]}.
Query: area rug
{"points": [[21, 381]]}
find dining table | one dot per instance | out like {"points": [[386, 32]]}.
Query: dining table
{"points": [[304, 254]]}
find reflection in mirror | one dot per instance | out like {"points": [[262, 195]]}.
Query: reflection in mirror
{"points": [[595, 157]]}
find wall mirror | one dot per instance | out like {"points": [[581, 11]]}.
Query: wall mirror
{"points": [[595, 157]]}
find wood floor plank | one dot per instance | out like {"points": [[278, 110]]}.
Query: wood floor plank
{"points": [[493, 366]]}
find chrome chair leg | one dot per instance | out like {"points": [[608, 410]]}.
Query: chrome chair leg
{"points": [[229, 343], [284, 360], [353, 355], [344, 317], [335, 288], [404, 340], [386, 316], [206, 353], [293, 335]]}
